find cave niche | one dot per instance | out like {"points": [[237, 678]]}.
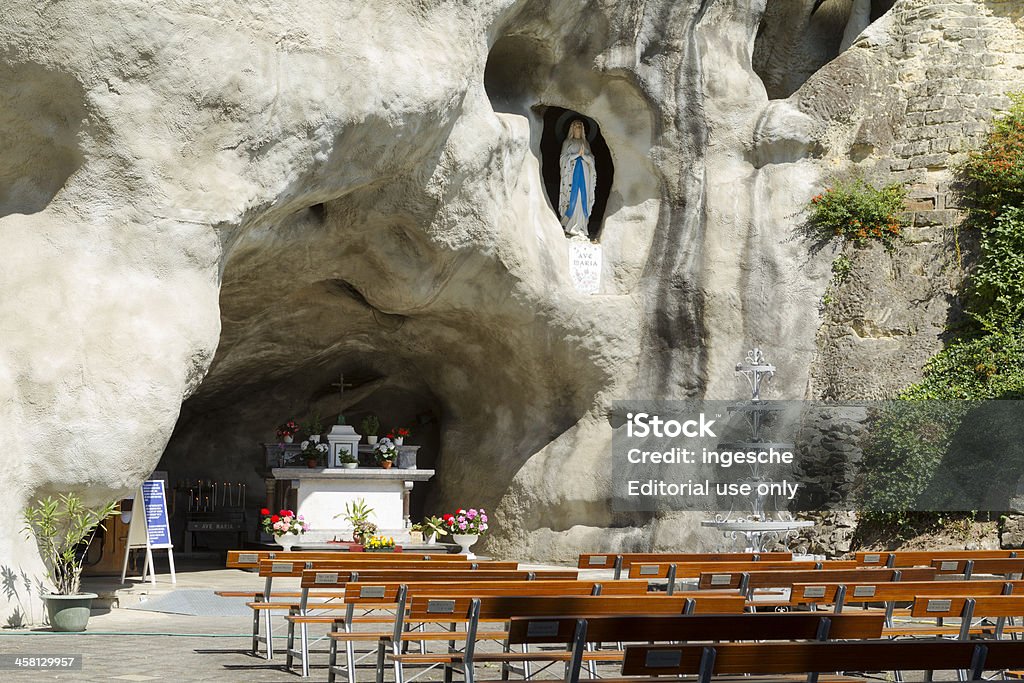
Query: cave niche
{"points": [[555, 122]]}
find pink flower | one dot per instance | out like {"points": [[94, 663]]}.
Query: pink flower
{"points": [[463, 526], [471, 514]]}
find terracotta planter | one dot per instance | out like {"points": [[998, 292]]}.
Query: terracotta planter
{"points": [[311, 463], [386, 464]]}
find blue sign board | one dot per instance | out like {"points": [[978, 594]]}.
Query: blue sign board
{"points": [[158, 528]]}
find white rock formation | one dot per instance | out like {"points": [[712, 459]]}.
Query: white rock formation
{"points": [[308, 187]]}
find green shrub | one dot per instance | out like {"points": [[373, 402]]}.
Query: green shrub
{"points": [[994, 174], [858, 212]]}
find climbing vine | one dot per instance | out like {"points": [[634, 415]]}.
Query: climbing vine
{"points": [[985, 361]]}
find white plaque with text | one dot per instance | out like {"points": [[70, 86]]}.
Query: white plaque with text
{"points": [[585, 266]]}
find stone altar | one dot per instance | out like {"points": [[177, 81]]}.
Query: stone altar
{"points": [[318, 494]]}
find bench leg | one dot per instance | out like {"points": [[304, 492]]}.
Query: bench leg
{"points": [[332, 660], [380, 662], [289, 647], [268, 629], [255, 633], [399, 671], [304, 647], [350, 660]]}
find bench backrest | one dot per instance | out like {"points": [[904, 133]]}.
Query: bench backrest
{"points": [[386, 592], [250, 559], [981, 565], [914, 558], [952, 605], [292, 567], [754, 626], [816, 592], [625, 560], [787, 658], [781, 579], [459, 608], [661, 570]]}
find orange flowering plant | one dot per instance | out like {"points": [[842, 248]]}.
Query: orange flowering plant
{"points": [[859, 212]]}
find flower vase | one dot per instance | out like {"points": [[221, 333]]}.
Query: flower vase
{"points": [[464, 541], [286, 541], [287, 439], [430, 539], [371, 439], [399, 440]]}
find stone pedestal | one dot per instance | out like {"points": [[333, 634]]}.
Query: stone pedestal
{"points": [[320, 494]]}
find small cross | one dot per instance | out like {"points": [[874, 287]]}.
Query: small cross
{"points": [[341, 384]]}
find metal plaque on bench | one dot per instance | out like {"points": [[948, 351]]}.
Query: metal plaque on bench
{"points": [[948, 565], [938, 605], [248, 558], [721, 579], [814, 592], [649, 570], [863, 591], [279, 567], [536, 629], [440, 606], [598, 559], [663, 659], [371, 591], [326, 577], [873, 558]]}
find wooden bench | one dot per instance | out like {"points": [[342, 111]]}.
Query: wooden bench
{"points": [[393, 595], [376, 571], [472, 611], [965, 608], [671, 571], [1005, 566], [918, 558], [814, 657], [839, 595], [746, 582], [620, 561], [577, 634]]}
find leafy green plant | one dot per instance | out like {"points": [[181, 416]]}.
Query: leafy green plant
{"points": [[434, 526], [858, 212], [994, 174], [344, 456], [63, 527], [841, 268], [370, 425], [356, 511]]}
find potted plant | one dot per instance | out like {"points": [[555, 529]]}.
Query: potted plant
{"points": [[287, 430], [314, 452], [357, 513], [370, 426], [432, 528], [316, 428], [379, 544], [398, 435], [416, 533], [347, 460], [286, 527], [63, 528], [385, 452], [466, 527]]}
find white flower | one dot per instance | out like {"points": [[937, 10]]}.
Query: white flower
{"points": [[305, 445]]}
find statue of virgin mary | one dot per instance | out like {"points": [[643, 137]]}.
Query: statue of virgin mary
{"points": [[578, 177]]}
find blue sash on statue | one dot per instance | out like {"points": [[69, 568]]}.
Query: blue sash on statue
{"points": [[579, 188]]}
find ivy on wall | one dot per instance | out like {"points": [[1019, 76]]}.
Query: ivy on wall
{"points": [[985, 361]]}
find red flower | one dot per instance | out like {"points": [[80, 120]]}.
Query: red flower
{"points": [[447, 518], [403, 432], [283, 513], [274, 519], [264, 512]]}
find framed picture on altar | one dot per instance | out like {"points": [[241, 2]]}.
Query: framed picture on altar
{"points": [[344, 454]]}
